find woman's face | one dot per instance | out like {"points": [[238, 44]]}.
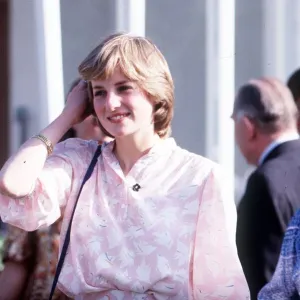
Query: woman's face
{"points": [[121, 107]]}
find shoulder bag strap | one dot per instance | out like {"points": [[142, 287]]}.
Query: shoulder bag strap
{"points": [[67, 238]]}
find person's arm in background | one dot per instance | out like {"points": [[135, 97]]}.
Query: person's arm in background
{"points": [[13, 279], [18, 255]]}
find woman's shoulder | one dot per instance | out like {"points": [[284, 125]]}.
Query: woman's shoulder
{"points": [[196, 162], [76, 142], [193, 158], [76, 148]]}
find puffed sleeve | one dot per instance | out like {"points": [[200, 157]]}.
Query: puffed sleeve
{"points": [[52, 189], [217, 272]]}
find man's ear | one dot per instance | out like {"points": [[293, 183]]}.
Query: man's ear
{"points": [[249, 128]]}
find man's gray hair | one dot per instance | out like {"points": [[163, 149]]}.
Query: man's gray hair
{"points": [[268, 103]]}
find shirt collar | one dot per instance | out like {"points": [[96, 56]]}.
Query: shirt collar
{"points": [[159, 146], [282, 139], [162, 147]]}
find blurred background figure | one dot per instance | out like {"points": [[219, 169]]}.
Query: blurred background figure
{"points": [[265, 117], [30, 258]]}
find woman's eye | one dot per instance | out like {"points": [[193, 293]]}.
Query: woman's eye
{"points": [[124, 88], [100, 93]]}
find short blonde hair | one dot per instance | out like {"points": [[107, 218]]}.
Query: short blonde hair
{"points": [[140, 61]]}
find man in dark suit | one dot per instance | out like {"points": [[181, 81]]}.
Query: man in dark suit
{"points": [[265, 117]]}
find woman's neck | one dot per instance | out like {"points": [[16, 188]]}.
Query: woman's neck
{"points": [[129, 150]]}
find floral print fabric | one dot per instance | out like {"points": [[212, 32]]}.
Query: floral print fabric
{"points": [[174, 238]]}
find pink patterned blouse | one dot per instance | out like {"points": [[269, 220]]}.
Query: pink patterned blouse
{"points": [[174, 238]]}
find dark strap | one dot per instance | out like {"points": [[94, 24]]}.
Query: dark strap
{"points": [[67, 238]]}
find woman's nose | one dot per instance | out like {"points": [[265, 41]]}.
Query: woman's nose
{"points": [[112, 101]]}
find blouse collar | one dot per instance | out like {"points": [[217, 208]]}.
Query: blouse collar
{"points": [[162, 147]]}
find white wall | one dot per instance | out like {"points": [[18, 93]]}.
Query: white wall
{"points": [[24, 79], [179, 31], [84, 25]]}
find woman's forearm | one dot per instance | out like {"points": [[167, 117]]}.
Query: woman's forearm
{"points": [[19, 173], [12, 280]]}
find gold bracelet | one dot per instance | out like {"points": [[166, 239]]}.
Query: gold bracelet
{"points": [[46, 141]]}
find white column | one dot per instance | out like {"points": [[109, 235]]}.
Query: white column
{"points": [[35, 65], [130, 16], [292, 40], [296, 36], [51, 88], [274, 39], [220, 49], [211, 75]]}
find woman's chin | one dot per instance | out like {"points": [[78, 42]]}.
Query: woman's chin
{"points": [[121, 131], [120, 134]]}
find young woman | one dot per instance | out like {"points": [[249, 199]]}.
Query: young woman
{"points": [[153, 221]]}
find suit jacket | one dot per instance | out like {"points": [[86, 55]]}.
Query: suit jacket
{"points": [[271, 198]]}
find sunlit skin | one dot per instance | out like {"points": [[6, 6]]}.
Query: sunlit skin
{"points": [[125, 112]]}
